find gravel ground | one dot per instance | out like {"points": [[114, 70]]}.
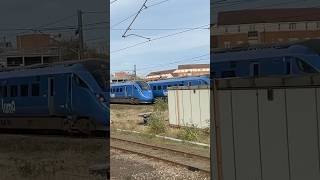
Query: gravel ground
{"points": [[50, 158], [131, 166]]}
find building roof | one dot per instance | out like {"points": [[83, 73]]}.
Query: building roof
{"points": [[161, 72], [251, 16], [193, 66]]}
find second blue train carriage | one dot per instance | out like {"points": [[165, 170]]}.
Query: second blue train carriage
{"points": [[159, 88], [133, 92], [68, 96], [267, 60]]}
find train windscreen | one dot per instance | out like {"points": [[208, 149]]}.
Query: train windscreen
{"points": [[100, 71], [144, 86]]}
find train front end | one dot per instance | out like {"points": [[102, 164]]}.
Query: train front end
{"points": [[145, 92]]}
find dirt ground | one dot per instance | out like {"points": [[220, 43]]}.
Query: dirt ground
{"points": [[126, 117], [37, 158]]}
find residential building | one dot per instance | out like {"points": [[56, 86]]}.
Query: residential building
{"points": [[192, 70], [264, 26], [160, 75], [120, 76]]}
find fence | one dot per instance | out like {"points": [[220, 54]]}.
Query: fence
{"points": [[267, 128]]}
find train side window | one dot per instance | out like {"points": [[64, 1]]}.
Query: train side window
{"points": [[165, 87], [24, 90], [0, 91], [304, 67], [255, 69], [120, 89], [13, 91], [80, 82], [180, 84], [154, 88], [189, 83], [35, 89], [225, 74], [117, 90], [5, 91], [288, 68], [159, 87]]}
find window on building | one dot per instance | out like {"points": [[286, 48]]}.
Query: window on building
{"points": [[35, 89], [13, 91], [226, 29], [252, 27], [227, 44], [24, 90], [239, 28], [292, 26], [318, 25], [279, 27], [307, 25]]}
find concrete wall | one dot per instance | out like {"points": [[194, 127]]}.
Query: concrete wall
{"points": [[189, 107]]}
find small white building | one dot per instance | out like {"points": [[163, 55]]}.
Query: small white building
{"points": [[189, 106]]}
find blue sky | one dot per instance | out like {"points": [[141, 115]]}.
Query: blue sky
{"points": [[164, 53]]}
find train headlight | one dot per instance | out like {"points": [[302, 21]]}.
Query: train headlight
{"points": [[101, 99]]}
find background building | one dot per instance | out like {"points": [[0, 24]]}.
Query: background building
{"points": [[264, 26], [160, 75], [120, 76], [192, 70], [182, 71]]}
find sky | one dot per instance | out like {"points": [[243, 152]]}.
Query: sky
{"points": [[167, 18], [34, 13]]}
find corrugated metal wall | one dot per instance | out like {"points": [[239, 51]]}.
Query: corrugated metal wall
{"points": [[268, 134], [189, 107]]}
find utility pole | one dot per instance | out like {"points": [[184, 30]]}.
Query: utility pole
{"points": [[80, 32], [135, 72]]}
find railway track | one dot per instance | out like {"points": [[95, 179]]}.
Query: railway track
{"points": [[192, 161]]}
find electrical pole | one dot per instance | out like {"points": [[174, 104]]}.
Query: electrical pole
{"points": [[135, 72], [80, 32]]}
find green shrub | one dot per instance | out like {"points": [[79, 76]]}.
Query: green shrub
{"points": [[160, 105], [157, 124]]}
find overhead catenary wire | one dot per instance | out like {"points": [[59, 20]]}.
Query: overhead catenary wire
{"points": [[161, 37], [134, 14]]}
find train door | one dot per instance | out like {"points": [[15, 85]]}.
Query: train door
{"points": [[125, 91], [255, 69], [51, 95], [69, 94]]}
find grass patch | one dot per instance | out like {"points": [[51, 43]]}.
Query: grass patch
{"points": [[189, 133]]}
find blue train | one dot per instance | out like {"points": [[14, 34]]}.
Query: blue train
{"points": [[62, 96], [294, 58], [160, 87], [133, 92]]}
